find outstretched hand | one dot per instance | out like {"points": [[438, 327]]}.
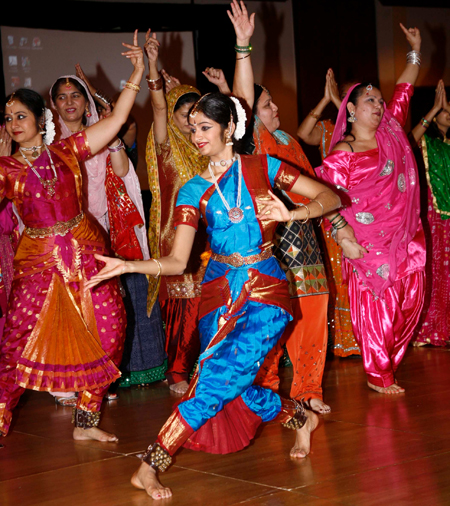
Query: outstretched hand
{"points": [[413, 37], [113, 267], [135, 53], [273, 209], [244, 26]]}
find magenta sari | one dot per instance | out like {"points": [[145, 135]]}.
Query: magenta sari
{"points": [[380, 196], [57, 336]]}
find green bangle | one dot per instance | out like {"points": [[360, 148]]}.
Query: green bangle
{"points": [[243, 49], [332, 219]]}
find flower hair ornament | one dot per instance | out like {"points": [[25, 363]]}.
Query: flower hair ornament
{"points": [[241, 119], [50, 131]]}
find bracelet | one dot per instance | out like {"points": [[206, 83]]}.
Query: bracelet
{"points": [[132, 86], [336, 225], [314, 114], [159, 268], [243, 57], [101, 96], [414, 57], [116, 148], [308, 212], [155, 84], [332, 219], [424, 123], [124, 266], [243, 49], [320, 204]]}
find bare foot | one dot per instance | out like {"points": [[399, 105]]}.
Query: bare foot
{"points": [[302, 444], [391, 389], [94, 433], [319, 406], [180, 387], [145, 478]]}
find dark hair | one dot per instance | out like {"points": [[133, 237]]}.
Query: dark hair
{"points": [[78, 86], [433, 131], [187, 98], [353, 98], [218, 107], [31, 100], [247, 141]]}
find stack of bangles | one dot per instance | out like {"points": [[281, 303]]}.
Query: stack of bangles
{"points": [[117, 147], [154, 84], [337, 222], [424, 123], [414, 57], [243, 49], [308, 212], [133, 87]]}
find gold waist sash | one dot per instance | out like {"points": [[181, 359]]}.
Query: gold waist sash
{"points": [[237, 260], [59, 228]]}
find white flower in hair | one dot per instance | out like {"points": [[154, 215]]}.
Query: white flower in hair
{"points": [[50, 131], [242, 118]]}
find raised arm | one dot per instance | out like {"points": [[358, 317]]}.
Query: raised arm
{"points": [[411, 72], [171, 265], [307, 130], [159, 104], [244, 26], [440, 102], [103, 132]]}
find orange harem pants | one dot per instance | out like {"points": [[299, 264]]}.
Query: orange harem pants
{"points": [[306, 339]]}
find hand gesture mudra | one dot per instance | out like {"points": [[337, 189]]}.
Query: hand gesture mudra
{"points": [[5, 142], [135, 53], [413, 37], [214, 76], [273, 209], [170, 82], [151, 46], [244, 25]]}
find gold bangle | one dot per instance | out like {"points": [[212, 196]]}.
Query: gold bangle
{"points": [[132, 86], [314, 114], [156, 276]]}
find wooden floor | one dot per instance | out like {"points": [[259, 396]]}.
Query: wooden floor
{"points": [[371, 450]]}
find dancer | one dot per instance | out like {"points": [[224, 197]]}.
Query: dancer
{"points": [[245, 300], [373, 167], [112, 198], [319, 133], [58, 336], [171, 161], [433, 134], [296, 245]]}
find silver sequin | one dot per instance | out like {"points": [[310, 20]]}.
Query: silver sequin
{"points": [[365, 218], [341, 188], [401, 182], [383, 271], [388, 168]]}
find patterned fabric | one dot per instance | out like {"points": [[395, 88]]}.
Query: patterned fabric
{"points": [[342, 340], [57, 336], [184, 161], [436, 155]]}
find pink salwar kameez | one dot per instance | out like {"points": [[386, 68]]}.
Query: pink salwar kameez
{"points": [[380, 195]]}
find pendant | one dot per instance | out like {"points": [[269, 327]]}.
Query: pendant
{"points": [[236, 214], [35, 152], [49, 187]]}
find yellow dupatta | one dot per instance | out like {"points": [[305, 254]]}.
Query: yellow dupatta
{"points": [[188, 162]]}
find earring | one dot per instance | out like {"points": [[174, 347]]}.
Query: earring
{"points": [[228, 140], [352, 118], [88, 112], [42, 128]]}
